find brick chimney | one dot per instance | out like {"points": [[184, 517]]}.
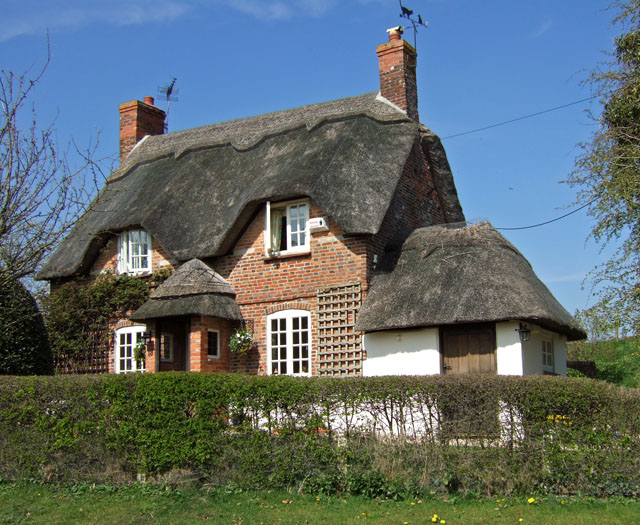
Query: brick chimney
{"points": [[397, 63], [138, 119]]}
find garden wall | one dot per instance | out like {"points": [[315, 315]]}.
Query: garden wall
{"points": [[381, 436]]}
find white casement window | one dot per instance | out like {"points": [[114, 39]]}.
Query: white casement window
{"points": [[125, 349], [286, 228], [134, 252], [548, 361], [213, 344], [289, 343], [166, 348]]}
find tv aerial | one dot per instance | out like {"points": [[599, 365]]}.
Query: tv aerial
{"points": [[170, 93], [408, 14]]}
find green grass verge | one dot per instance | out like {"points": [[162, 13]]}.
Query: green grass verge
{"points": [[141, 504]]}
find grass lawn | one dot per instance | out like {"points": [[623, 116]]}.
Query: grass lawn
{"points": [[139, 504]]}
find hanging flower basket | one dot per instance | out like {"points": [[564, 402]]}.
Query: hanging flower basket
{"points": [[140, 352], [241, 341]]}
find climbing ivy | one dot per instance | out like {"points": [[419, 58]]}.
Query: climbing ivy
{"points": [[81, 314]]}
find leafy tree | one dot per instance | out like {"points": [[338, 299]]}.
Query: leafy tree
{"points": [[24, 344], [608, 177]]}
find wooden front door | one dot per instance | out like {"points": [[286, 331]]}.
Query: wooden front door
{"points": [[468, 349]]}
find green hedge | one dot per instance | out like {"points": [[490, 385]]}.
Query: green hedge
{"points": [[387, 436]]}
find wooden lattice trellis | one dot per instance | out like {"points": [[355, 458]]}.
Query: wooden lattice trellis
{"points": [[96, 362], [339, 351]]}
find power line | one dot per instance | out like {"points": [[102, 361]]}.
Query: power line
{"points": [[522, 118], [552, 220]]}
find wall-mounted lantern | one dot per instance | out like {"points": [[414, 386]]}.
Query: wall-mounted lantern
{"points": [[524, 332]]}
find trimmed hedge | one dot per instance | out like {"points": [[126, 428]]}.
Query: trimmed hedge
{"points": [[387, 437]]}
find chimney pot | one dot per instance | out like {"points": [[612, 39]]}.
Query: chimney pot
{"points": [[148, 100], [395, 33]]}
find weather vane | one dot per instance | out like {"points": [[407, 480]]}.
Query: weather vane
{"points": [[408, 13], [170, 92]]}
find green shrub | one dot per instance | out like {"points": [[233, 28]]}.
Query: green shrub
{"points": [[24, 343]]}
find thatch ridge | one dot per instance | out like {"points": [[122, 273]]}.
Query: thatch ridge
{"points": [[450, 275]]}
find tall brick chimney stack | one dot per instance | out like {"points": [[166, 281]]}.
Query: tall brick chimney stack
{"points": [[397, 63], [138, 119]]}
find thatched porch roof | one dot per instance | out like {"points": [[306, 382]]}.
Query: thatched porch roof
{"points": [[194, 289]]}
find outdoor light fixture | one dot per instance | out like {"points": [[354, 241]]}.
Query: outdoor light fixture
{"points": [[524, 332], [146, 336]]}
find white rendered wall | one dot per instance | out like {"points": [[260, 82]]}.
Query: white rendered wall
{"points": [[406, 352], [533, 351], [509, 352]]}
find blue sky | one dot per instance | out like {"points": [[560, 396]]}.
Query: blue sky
{"points": [[479, 63]]}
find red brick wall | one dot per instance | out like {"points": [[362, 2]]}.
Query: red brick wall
{"points": [[199, 361], [264, 285]]}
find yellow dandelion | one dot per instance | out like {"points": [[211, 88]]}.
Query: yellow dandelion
{"points": [[520, 519], [531, 500], [562, 502], [443, 522], [434, 519], [413, 503]]}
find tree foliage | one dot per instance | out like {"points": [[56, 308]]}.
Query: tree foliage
{"points": [[24, 344], [608, 177]]}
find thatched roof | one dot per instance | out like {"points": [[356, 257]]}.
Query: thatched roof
{"points": [[194, 289], [450, 275], [195, 190]]}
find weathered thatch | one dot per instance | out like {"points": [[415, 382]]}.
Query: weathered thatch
{"points": [[194, 289], [195, 190], [451, 275]]}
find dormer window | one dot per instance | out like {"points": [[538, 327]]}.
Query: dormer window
{"points": [[134, 252], [286, 228]]}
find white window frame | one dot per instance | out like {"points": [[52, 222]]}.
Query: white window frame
{"points": [[125, 342], [288, 208], [282, 346], [217, 354], [166, 340], [129, 259], [548, 356]]}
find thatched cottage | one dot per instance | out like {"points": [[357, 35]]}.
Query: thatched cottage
{"points": [[285, 223]]}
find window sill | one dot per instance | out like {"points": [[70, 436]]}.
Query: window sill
{"points": [[213, 358], [286, 255]]}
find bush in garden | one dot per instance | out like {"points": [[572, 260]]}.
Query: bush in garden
{"points": [[24, 343]]}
